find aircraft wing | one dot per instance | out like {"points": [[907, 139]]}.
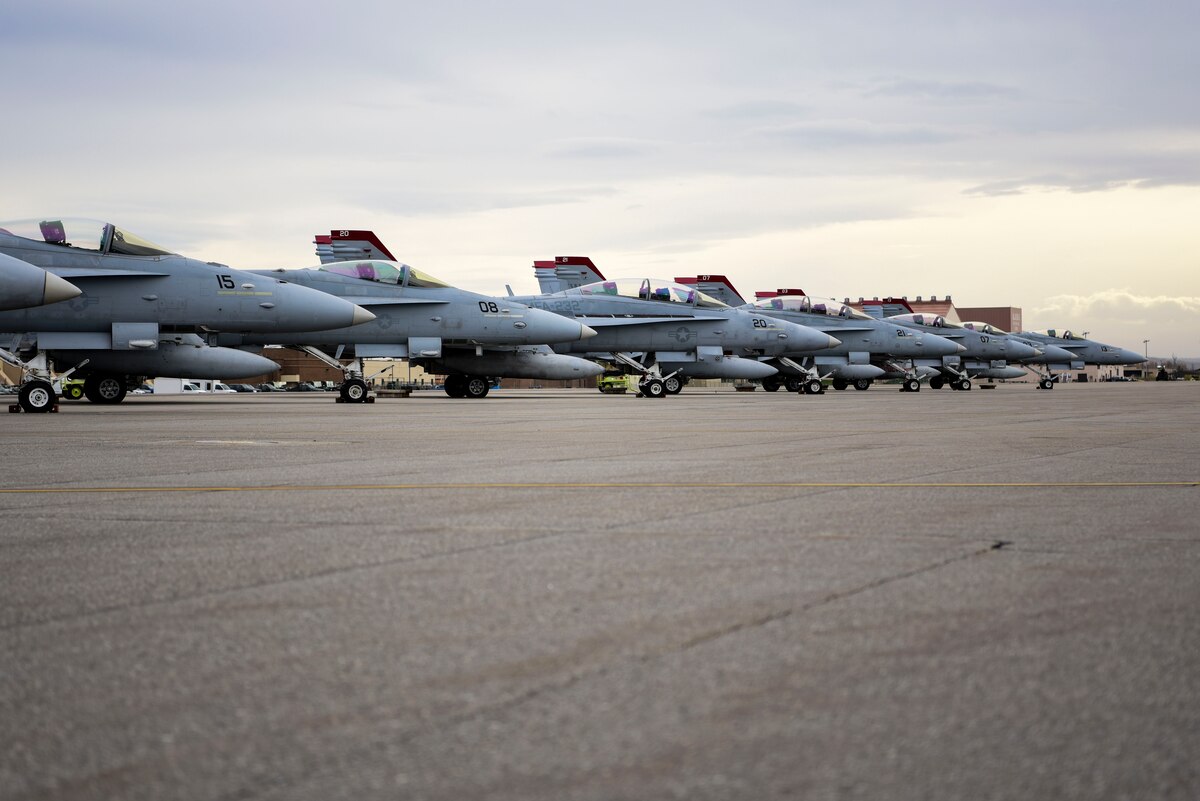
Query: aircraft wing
{"points": [[95, 272], [618, 320], [833, 330], [370, 301]]}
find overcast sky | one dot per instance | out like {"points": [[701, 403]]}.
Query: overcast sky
{"points": [[1037, 154]]}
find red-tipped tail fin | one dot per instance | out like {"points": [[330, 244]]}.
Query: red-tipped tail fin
{"points": [[348, 245], [565, 272], [716, 286]]}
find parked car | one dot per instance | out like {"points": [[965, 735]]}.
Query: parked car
{"points": [[190, 387], [242, 388], [304, 386], [222, 388], [269, 387]]}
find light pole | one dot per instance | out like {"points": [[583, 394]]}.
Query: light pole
{"points": [[1146, 343]]}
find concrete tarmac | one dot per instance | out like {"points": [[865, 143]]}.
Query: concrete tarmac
{"points": [[556, 594]]}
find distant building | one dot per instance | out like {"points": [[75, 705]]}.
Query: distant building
{"points": [[1006, 318]]}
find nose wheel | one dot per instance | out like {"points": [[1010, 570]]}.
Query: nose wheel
{"points": [[1045, 383], [653, 388], [910, 385], [354, 390], [36, 397]]}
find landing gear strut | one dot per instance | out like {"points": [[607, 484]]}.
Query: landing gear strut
{"points": [[37, 393], [354, 387]]}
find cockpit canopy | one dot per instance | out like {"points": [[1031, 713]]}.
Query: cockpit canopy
{"points": [[650, 289], [83, 234], [985, 328], [384, 272], [811, 305], [931, 320], [1055, 333]]}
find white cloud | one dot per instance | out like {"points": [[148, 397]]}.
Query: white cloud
{"points": [[1119, 302]]}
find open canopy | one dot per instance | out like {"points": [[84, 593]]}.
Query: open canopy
{"points": [[811, 305], [651, 289], [83, 234], [932, 320], [383, 272], [984, 328], [1056, 333]]}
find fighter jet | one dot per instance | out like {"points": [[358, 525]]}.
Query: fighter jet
{"points": [[868, 349], [468, 337], [988, 350], [666, 330], [22, 285], [1082, 352], [142, 311]]}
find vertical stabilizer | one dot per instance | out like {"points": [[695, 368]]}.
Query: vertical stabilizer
{"points": [[716, 286], [565, 272], [348, 245]]}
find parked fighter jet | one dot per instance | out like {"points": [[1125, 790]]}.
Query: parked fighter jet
{"points": [[22, 285], [466, 336], [868, 349], [988, 351], [1082, 351], [667, 331], [143, 311]]}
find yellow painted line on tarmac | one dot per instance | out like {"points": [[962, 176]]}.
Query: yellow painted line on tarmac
{"points": [[727, 485]]}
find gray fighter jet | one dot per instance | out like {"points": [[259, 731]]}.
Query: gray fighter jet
{"points": [[665, 330], [470, 338], [869, 347], [143, 311], [988, 352], [644, 336], [1082, 352], [22, 285]]}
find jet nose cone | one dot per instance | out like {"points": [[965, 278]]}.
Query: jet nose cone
{"points": [[1131, 357], [58, 289], [1019, 350], [547, 327], [933, 345], [802, 339], [361, 316]]}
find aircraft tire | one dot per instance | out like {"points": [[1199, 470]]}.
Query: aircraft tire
{"points": [[73, 392], [840, 384], [476, 386], [672, 385], [654, 388], [937, 382], [862, 384], [1046, 383], [794, 384], [36, 396], [456, 386], [813, 387], [911, 385], [964, 384], [353, 390], [772, 384], [106, 389]]}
